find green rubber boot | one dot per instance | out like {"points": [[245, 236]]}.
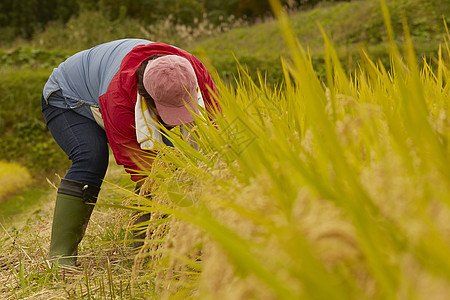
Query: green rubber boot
{"points": [[74, 205], [139, 235]]}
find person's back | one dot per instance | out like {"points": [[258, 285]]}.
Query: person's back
{"points": [[85, 76]]}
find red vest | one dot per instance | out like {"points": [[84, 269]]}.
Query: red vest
{"points": [[118, 103]]}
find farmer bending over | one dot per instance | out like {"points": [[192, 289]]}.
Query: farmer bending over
{"points": [[118, 93]]}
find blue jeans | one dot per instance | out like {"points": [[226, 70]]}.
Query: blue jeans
{"points": [[82, 139], [84, 142]]}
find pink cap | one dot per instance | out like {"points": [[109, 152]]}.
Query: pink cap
{"points": [[170, 80]]}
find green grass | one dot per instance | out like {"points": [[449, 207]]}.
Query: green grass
{"points": [[18, 204], [13, 178], [351, 25], [24, 137]]}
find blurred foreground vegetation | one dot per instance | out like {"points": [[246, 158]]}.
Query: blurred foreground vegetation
{"points": [[310, 192]]}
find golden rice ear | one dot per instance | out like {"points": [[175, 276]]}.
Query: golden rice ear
{"points": [[146, 188]]}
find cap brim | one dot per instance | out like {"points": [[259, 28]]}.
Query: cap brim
{"points": [[175, 116]]}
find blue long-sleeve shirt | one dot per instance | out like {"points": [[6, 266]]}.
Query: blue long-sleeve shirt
{"points": [[85, 76]]}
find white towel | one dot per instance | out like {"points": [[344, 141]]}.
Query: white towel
{"points": [[147, 128]]}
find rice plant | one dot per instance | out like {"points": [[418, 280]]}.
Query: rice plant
{"points": [[310, 189]]}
